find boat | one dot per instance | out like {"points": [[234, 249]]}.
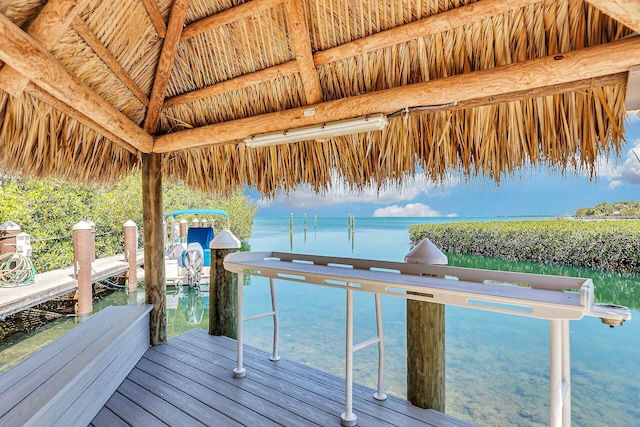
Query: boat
{"points": [[187, 250]]}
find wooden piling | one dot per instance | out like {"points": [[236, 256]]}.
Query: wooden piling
{"points": [[183, 230], [82, 254], [154, 274], [426, 355], [223, 301], [130, 253], [8, 232]]}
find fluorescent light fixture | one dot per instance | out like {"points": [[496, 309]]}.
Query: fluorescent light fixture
{"points": [[324, 130]]}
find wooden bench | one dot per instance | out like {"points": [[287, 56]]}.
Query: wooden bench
{"points": [[68, 381]]}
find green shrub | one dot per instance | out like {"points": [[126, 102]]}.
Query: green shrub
{"points": [[605, 245]]}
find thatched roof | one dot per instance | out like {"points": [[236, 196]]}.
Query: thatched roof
{"points": [[483, 87]]}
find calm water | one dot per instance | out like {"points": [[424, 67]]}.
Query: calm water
{"points": [[497, 365]]}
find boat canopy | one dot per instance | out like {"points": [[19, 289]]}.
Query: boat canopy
{"points": [[198, 212]]}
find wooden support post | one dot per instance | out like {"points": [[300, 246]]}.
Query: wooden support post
{"points": [[82, 251], [154, 274], [425, 355], [8, 232], [223, 302], [130, 253]]}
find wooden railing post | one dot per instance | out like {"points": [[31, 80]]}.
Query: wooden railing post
{"points": [[82, 253], [130, 253], [425, 340], [223, 302]]}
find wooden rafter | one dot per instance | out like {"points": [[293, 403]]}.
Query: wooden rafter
{"points": [[51, 22], [228, 16], [425, 27], [36, 63], [165, 65], [299, 38], [230, 85], [156, 17], [444, 21], [519, 78], [100, 49], [627, 12]]}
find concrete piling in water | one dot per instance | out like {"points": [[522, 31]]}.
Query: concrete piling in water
{"points": [[82, 254], [130, 253]]}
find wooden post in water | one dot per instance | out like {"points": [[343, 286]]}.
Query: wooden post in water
{"points": [[82, 253], [93, 240], [130, 253], [425, 355], [425, 339], [183, 230], [154, 274], [223, 287]]}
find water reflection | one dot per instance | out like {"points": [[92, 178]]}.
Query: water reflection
{"points": [[187, 308]]}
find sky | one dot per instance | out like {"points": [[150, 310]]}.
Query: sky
{"points": [[534, 191]]}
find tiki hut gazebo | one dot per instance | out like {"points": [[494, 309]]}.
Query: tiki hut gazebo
{"points": [[92, 89]]}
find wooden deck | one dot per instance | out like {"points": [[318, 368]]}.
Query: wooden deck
{"points": [[189, 382], [53, 284]]}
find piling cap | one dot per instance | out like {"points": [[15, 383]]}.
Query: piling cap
{"points": [[225, 240], [82, 225], [130, 224], [426, 252], [10, 226]]}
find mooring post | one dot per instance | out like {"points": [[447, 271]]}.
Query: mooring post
{"points": [[130, 253], [8, 232], [183, 230], [82, 252], [223, 287], [425, 339]]}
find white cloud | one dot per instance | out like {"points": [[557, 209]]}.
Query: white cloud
{"points": [[304, 197], [627, 172], [411, 209]]}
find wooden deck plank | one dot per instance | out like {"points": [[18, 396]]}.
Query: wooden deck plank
{"points": [[368, 410], [167, 413], [322, 407], [58, 369], [178, 392], [106, 418], [259, 405], [394, 403], [193, 374], [131, 412]]}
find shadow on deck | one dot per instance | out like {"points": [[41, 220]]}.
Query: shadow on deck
{"points": [[189, 382]]}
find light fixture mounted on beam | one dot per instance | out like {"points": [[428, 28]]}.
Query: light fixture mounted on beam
{"points": [[324, 130]]}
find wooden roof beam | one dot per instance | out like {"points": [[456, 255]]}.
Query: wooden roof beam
{"points": [[228, 16], [241, 82], [627, 12], [36, 63], [100, 49], [425, 27], [510, 82], [46, 28], [165, 64], [156, 17], [299, 39]]}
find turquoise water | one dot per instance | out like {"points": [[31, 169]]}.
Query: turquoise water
{"points": [[497, 365]]}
